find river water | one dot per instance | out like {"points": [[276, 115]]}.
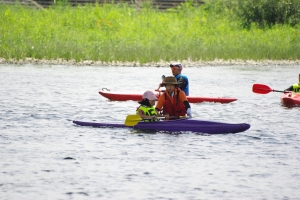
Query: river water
{"points": [[45, 156]]}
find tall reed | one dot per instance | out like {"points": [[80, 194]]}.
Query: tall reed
{"points": [[122, 33]]}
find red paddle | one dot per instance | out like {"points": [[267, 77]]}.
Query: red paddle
{"points": [[263, 89]]}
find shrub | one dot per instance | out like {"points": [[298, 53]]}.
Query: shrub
{"points": [[267, 12], [262, 12]]}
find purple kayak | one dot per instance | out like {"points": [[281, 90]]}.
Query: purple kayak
{"points": [[178, 125]]}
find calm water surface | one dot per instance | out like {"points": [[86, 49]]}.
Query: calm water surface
{"points": [[45, 156]]}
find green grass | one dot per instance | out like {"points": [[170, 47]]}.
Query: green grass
{"points": [[121, 33]]}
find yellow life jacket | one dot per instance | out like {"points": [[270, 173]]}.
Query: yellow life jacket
{"points": [[296, 87], [150, 111]]}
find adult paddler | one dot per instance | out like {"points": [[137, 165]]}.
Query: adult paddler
{"points": [[182, 80], [173, 101]]}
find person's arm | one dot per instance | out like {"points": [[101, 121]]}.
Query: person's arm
{"points": [[289, 89], [182, 96], [160, 103], [143, 116], [188, 108], [167, 117], [182, 83], [159, 106], [162, 80], [186, 103]]}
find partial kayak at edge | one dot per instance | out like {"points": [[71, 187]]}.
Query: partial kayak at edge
{"points": [[290, 99]]}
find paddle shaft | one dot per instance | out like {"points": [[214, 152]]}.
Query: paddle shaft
{"points": [[170, 117], [132, 120], [278, 91]]}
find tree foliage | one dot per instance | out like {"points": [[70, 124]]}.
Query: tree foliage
{"points": [[262, 12]]}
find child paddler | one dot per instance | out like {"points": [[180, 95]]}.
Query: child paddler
{"points": [[147, 110], [294, 88]]}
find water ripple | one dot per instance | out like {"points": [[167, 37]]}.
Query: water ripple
{"points": [[45, 156]]}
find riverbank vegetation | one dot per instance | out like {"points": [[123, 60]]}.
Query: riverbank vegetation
{"points": [[226, 30]]}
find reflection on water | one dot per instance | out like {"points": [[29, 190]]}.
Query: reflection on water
{"points": [[45, 156]]}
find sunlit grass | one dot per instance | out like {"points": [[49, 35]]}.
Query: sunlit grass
{"points": [[122, 33]]}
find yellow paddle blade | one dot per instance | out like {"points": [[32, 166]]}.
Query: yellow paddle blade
{"points": [[132, 120]]}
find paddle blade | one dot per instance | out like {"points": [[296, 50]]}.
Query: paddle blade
{"points": [[132, 120], [261, 89]]}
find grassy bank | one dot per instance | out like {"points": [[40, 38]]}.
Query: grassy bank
{"points": [[121, 33]]}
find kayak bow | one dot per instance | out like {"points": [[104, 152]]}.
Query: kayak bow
{"points": [[290, 99]]}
